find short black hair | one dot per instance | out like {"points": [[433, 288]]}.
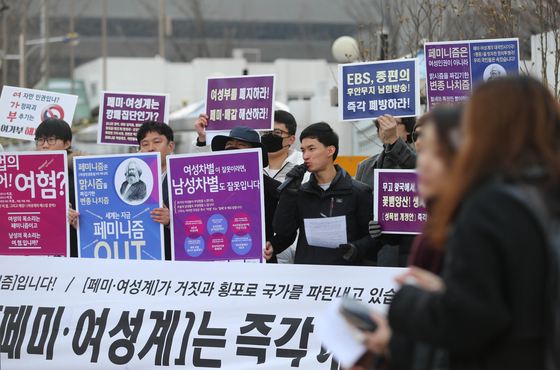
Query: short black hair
{"points": [[159, 127], [56, 127], [408, 123], [281, 116], [323, 133]]}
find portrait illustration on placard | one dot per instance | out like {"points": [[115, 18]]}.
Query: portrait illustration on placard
{"points": [[132, 187], [494, 71]]}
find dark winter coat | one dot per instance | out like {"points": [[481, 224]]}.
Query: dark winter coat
{"points": [[344, 197], [491, 313]]}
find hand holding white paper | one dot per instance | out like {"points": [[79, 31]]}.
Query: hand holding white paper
{"points": [[327, 232], [339, 337]]}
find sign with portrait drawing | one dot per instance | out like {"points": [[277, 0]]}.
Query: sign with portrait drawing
{"points": [[115, 195]]}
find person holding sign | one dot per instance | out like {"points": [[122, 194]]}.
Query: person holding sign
{"points": [[331, 210], [56, 134], [242, 137], [152, 137], [199, 145], [158, 137], [397, 153]]}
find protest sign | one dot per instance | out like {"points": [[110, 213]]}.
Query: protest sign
{"points": [[114, 196], [396, 203], [33, 203], [454, 68], [68, 313], [22, 110], [122, 113], [370, 90], [217, 206], [240, 101]]}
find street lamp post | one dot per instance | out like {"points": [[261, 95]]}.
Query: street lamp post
{"points": [[22, 47], [344, 50]]}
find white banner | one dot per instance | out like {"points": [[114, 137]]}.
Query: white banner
{"points": [[22, 110], [62, 313]]}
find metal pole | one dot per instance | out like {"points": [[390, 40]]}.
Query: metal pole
{"points": [[21, 60], [22, 47], [5, 47], [161, 28], [44, 27], [42, 31], [47, 50], [104, 43], [72, 61]]}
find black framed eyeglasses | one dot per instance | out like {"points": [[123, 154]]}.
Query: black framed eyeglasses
{"points": [[276, 132], [50, 140]]}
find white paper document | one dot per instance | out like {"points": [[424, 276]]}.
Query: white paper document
{"points": [[339, 337], [327, 232]]}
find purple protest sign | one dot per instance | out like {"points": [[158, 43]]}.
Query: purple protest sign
{"points": [[396, 202], [121, 114], [448, 72], [240, 101], [33, 203], [217, 206], [453, 69]]}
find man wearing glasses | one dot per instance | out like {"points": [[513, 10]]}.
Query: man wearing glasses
{"points": [[56, 134], [281, 159]]}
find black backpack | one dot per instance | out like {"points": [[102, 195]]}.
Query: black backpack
{"points": [[547, 212]]}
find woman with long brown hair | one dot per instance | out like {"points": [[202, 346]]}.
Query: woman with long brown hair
{"points": [[490, 308]]}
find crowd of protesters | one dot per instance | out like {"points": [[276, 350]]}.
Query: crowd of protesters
{"points": [[483, 287]]}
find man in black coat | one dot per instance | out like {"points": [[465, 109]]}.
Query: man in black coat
{"points": [[330, 192]]}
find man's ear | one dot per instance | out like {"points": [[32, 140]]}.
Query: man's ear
{"points": [[330, 150], [67, 144], [172, 145], [292, 140]]}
